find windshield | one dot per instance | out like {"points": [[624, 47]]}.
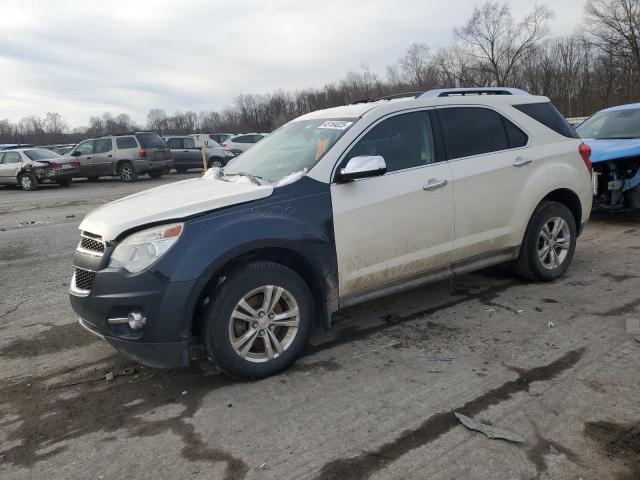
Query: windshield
{"points": [[292, 148], [618, 124], [40, 154]]}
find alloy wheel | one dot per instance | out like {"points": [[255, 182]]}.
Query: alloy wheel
{"points": [[554, 242], [264, 323]]}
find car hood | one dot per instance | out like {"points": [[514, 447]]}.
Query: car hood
{"points": [[170, 202], [604, 150]]}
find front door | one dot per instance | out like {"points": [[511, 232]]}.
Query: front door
{"points": [[84, 155], [397, 226], [103, 156]]}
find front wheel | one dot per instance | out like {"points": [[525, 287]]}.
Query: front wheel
{"points": [[28, 181], [258, 320], [549, 243]]}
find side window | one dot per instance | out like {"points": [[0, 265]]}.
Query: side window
{"points": [[404, 141], [243, 139], [85, 148], [103, 145], [126, 142], [471, 131], [12, 157], [549, 116], [257, 138], [189, 143], [175, 143], [515, 136]]}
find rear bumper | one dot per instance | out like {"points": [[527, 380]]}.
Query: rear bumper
{"points": [[143, 165]]}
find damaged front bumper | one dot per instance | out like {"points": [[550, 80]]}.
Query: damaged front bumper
{"points": [[106, 301]]}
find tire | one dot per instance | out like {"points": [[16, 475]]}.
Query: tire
{"points": [[64, 182], [127, 172], [156, 174], [533, 263], [28, 182], [93, 179], [181, 170], [251, 283], [216, 162]]}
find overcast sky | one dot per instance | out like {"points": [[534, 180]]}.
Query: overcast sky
{"points": [[81, 58]]}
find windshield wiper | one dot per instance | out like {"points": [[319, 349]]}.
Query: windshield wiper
{"points": [[254, 178]]}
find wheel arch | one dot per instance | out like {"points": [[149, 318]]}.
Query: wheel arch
{"points": [[282, 255], [565, 196]]}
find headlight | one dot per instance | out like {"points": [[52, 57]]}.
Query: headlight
{"points": [[140, 250]]}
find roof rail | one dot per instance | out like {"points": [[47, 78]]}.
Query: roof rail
{"points": [[449, 92]]}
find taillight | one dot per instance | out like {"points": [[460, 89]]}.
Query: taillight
{"points": [[585, 153], [55, 166], [142, 153]]}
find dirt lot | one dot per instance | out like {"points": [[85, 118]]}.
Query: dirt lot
{"points": [[373, 398]]}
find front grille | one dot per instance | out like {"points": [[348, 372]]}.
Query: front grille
{"points": [[91, 244], [84, 279]]}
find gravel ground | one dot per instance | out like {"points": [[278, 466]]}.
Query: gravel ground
{"points": [[372, 398]]}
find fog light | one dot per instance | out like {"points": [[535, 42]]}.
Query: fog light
{"points": [[136, 320]]}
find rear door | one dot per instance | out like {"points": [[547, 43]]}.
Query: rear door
{"points": [[176, 145], [10, 166], [394, 227], [490, 166], [193, 153]]}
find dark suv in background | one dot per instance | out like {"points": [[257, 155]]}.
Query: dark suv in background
{"points": [[126, 156]]}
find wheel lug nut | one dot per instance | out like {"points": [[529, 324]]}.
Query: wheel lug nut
{"points": [[271, 316], [254, 324], [261, 333]]}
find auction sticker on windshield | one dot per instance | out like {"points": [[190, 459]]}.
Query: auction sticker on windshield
{"points": [[335, 124]]}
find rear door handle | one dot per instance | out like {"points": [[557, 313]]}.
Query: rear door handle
{"points": [[109, 156], [521, 161], [434, 183]]}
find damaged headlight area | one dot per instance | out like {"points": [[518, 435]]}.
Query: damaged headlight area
{"points": [[139, 250]]}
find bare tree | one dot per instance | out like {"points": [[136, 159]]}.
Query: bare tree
{"points": [[498, 41], [414, 64]]}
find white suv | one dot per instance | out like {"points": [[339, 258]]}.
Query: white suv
{"points": [[336, 207]]}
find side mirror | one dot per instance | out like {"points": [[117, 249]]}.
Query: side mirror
{"points": [[362, 167], [75, 153]]}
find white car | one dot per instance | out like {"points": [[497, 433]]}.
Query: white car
{"points": [[336, 207], [241, 143]]}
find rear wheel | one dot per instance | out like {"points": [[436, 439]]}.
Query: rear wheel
{"points": [[258, 321], [549, 243], [126, 172], [28, 181]]}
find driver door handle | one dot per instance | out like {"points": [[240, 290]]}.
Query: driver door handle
{"points": [[435, 183], [521, 161]]}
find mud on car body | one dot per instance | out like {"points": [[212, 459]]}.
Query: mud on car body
{"points": [[614, 137], [334, 208], [29, 167]]}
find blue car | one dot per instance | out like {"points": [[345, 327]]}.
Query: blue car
{"points": [[614, 137]]}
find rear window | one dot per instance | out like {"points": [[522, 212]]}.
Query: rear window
{"points": [[151, 140], [549, 116], [126, 142], [40, 154]]}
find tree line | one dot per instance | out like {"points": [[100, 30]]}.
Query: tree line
{"points": [[592, 68]]}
